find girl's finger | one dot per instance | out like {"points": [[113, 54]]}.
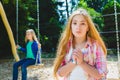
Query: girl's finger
{"points": [[76, 56], [78, 51]]}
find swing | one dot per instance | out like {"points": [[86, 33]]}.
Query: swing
{"points": [[11, 38], [38, 63]]}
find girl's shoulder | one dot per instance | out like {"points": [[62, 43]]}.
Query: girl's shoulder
{"points": [[93, 42], [35, 43]]}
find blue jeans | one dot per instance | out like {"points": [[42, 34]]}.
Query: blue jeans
{"points": [[24, 63]]}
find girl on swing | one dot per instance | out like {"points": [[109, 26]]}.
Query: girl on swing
{"points": [[81, 53], [31, 49]]}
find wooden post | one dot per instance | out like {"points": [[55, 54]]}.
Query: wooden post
{"points": [[9, 32]]}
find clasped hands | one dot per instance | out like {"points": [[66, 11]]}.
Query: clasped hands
{"points": [[77, 56]]}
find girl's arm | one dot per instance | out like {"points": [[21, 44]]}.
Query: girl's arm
{"points": [[91, 70], [39, 45], [66, 69], [35, 46], [21, 48], [98, 71]]}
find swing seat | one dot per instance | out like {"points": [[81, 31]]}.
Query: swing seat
{"points": [[36, 66], [38, 63]]}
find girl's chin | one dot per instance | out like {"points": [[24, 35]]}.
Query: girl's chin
{"points": [[78, 36]]}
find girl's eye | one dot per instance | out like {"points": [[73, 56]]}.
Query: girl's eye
{"points": [[74, 23], [82, 23]]}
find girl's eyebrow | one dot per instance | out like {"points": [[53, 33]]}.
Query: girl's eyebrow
{"points": [[82, 21]]}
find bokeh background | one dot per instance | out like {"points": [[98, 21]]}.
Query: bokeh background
{"points": [[53, 15]]}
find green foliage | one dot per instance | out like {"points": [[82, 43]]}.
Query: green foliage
{"points": [[49, 22], [49, 25], [109, 7], [98, 5], [96, 16]]}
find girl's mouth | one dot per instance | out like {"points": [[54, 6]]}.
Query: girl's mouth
{"points": [[78, 32]]}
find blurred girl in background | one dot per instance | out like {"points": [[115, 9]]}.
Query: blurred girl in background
{"points": [[31, 49]]}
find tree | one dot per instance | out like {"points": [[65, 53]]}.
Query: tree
{"points": [[49, 25], [98, 5], [96, 16]]}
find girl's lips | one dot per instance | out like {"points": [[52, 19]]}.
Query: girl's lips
{"points": [[78, 32]]}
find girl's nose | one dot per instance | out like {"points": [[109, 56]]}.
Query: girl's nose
{"points": [[78, 26]]}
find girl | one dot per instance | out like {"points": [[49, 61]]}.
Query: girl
{"points": [[31, 52], [81, 53]]}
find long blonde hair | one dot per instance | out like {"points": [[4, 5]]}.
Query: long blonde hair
{"points": [[33, 34], [67, 34]]}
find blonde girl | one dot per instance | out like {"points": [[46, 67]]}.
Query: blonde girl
{"points": [[81, 52], [31, 52]]}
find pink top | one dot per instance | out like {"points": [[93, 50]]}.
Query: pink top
{"points": [[93, 55]]}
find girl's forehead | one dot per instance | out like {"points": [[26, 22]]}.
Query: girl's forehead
{"points": [[78, 18]]}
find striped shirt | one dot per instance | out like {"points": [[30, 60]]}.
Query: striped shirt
{"points": [[93, 55]]}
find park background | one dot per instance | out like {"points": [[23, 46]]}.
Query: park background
{"points": [[53, 15]]}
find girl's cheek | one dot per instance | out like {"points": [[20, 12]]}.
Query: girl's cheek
{"points": [[30, 36], [72, 29], [74, 32], [27, 37]]}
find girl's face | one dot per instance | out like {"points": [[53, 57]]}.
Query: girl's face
{"points": [[79, 26], [29, 36]]}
